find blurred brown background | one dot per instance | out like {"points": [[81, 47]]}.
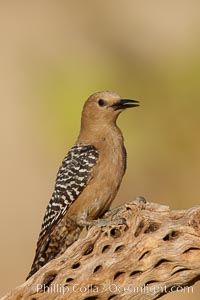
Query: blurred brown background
{"points": [[53, 55]]}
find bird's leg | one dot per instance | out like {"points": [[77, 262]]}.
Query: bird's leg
{"points": [[100, 222], [112, 212], [141, 201], [84, 221]]}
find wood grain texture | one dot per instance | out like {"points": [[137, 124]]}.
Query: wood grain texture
{"points": [[157, 251]]}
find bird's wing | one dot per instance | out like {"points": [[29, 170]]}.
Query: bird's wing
{"points": [[73, 175]]}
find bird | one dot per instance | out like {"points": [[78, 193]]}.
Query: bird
{"points": [[88, 179]]}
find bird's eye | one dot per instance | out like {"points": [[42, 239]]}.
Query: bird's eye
{"points": [[101, 102]]}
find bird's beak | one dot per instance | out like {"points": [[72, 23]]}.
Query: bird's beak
{"points": [[125, 103]]}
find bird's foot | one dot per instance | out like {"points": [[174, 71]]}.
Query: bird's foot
{"points": [[112, 212], [102, 222], [140, 201]]}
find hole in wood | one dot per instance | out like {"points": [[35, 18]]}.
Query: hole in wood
{"points": [[97, 268], [88, 250], [171, 236], [75, 265], [128, 208], [191, 249], [118, 274], [69, 279], [151, 282], [126, 227], [144, 254], [111, 297], [139, 228], [105, 248], [93, 286], [115, 232], [152, 227], [161, 262], [119, 248], [48, 280], [181, 270], [135, 273]]}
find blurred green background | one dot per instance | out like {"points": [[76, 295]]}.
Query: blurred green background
{"points": [[53, 55]]}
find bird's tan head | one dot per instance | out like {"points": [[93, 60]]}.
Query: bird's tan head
{"points": [[105, 107], [101, 110]]}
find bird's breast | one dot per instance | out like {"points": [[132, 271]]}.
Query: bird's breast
{"points": [[105, 181]]}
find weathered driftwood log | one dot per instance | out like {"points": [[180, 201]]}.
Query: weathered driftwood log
{"points": [[156, 252]]}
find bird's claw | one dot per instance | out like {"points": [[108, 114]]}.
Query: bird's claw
{"points": [[103, 222]]}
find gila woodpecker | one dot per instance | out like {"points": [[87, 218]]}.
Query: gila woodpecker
{"points": [[88, 179]]}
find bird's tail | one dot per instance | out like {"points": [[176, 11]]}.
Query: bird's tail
{"points": [[55, 244]]}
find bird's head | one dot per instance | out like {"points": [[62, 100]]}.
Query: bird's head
{"points": [[104, 108]]}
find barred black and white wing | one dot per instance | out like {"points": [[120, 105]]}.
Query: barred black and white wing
{"points": [[71, 179], [73, 175]]}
